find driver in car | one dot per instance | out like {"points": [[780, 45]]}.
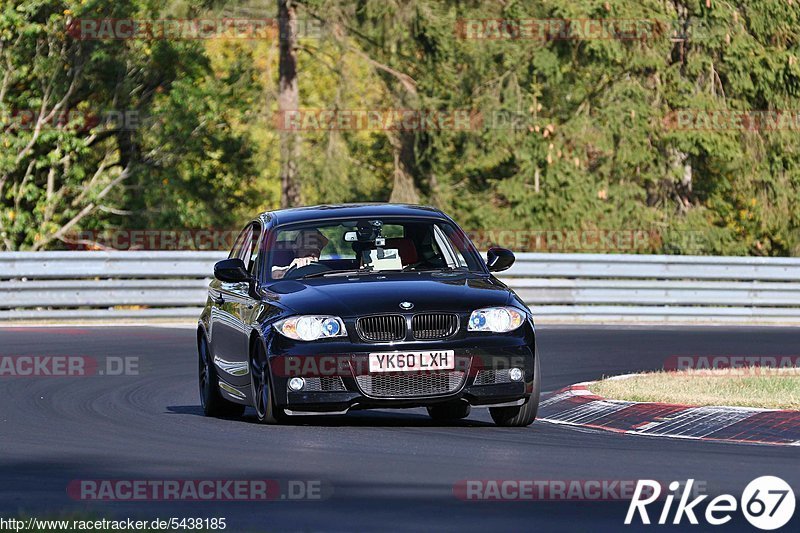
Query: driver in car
{"points": [[307, 248]]}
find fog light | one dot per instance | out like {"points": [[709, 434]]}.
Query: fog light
{"points": [[515, 374], [297, 384]]}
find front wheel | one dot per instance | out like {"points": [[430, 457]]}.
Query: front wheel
{"points": [[263, 398], [210, 398], [520, 415]]}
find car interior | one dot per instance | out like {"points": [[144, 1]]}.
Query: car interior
{"points": [[412, 245]]}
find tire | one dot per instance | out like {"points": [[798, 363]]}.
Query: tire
{"points": [[210, 398], [521, 415], [449, 411], [261, 390]]}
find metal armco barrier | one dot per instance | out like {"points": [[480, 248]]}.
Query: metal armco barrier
{"points": [[557, 287]]}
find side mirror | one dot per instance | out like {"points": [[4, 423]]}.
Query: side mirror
{"points": [[231, 270], [499, 259]]}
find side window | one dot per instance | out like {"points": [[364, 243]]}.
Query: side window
{"points": [[245, 245], [462, 249], [452, 255], [252, 256], [237, 246]]}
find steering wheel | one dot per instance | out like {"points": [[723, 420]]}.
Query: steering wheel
{"points": [[312, 268]]}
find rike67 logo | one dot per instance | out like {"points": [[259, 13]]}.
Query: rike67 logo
{"points": [[767, 503]]}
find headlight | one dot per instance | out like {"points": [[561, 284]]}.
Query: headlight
{"points": [[496, 319], [311, 327]]}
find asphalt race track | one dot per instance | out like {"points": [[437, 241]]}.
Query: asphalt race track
{"points": [[380, 470]]}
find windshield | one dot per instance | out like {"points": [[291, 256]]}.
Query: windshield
{"points": [[371, 245]]}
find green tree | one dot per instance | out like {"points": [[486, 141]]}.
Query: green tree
{"points": [[98, 133]]}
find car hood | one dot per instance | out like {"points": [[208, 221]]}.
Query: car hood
{"points": [[363, 295]]}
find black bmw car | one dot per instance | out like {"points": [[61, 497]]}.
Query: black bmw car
{"points": [[320, 310]]}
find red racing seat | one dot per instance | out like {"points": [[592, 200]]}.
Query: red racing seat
{"points": [[406, 249]]}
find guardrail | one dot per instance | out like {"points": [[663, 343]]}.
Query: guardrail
{"points": [[557, 287]]}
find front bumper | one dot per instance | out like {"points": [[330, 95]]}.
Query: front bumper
{"points": [[346, 366]]}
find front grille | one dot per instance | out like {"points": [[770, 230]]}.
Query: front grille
{"points": [[429, 326], [411, 384], [382, 327], [324, 384], [490, 377]]}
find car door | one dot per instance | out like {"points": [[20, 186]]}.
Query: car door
{"points": [[229, 338], [243, 305]]}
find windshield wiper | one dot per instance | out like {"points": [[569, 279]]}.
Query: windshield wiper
{"points": [[360, 271], [441, 269], [355, 271]]}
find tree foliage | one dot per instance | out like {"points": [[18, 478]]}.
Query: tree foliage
{"points": [[567, 133], [95, 133]]}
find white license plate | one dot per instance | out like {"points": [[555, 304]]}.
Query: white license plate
{"points": [[412, 361]]}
